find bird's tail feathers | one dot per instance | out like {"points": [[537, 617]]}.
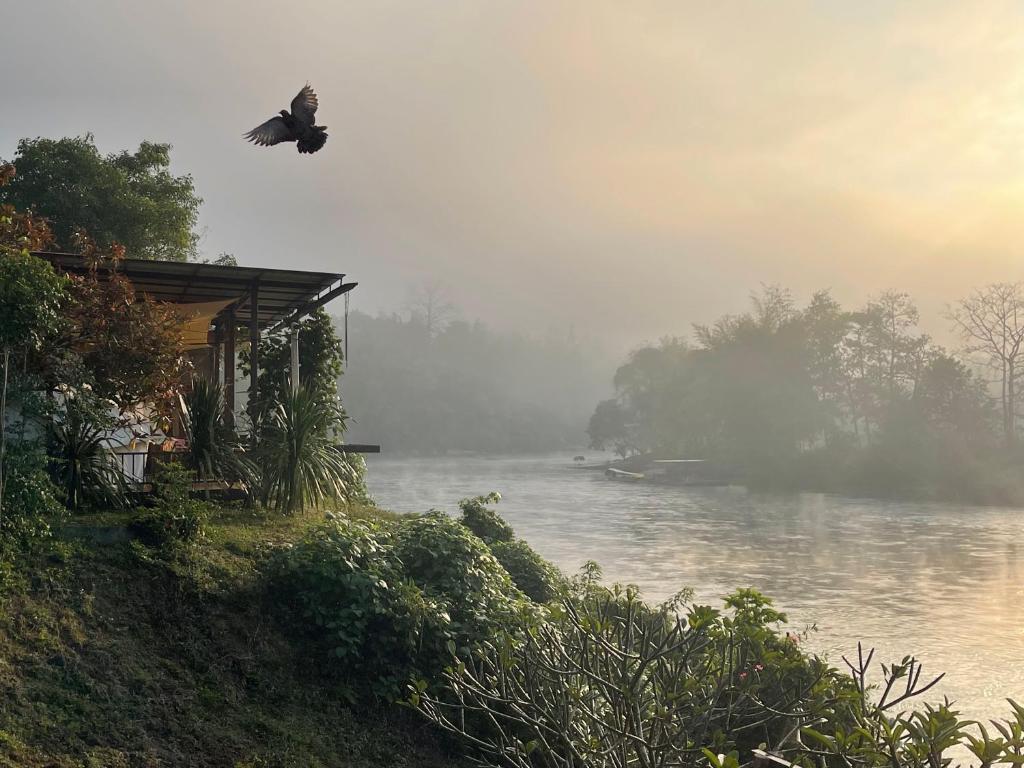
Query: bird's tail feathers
{"points": [[311, 144]]}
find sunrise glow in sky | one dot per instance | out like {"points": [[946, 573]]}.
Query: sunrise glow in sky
{"points": [[626, 168]]}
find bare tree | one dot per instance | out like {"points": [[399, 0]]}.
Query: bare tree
{"points": [[899, 352], [991, 323], [773, 306], [429, 303]]}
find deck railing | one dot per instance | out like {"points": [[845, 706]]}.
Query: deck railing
{"points": [[132, 464]]}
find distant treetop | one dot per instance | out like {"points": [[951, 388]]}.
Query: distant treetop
{"points": [[127, 198]]}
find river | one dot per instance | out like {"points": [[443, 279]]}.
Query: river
{"points": [[944, 582]]}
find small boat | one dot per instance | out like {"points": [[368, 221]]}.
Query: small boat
{"points": [[620, 474]]}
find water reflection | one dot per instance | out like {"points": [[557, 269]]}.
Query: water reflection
{"points": [[942, 581]]}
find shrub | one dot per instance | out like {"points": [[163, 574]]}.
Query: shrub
{"points": [[389, 601], [81, 463], [214, 449], [299, 455], [177, 519], [484, 521], [456, 568], [358, 606], [538, 579], [30, 500], [607, 680]]}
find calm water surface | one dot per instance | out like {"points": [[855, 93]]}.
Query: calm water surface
{"points": [[944, 582]]}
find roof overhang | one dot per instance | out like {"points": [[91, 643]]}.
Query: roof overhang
{"points": [[284, 295]]}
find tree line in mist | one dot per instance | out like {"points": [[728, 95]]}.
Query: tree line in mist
{"points": [[426, 383], [830, 398]]}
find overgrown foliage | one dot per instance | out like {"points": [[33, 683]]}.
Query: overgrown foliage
{"points": [[369, 622], [532, 574], [455, 567], [127, 199], [538, 579], [320, 365], [484, 521], [388, 600]]}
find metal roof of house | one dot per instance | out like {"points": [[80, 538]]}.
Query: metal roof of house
{"points": [[283, 294]]}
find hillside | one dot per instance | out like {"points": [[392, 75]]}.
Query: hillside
{"points": [[112, 656]]}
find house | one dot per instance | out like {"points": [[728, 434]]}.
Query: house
{"points": [[213, 301]]}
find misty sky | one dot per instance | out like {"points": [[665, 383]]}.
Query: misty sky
{"points": [[626, 168]]}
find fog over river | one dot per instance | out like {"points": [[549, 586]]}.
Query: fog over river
{"points": [[944, 582]]}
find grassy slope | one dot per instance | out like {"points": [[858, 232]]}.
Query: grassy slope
{"points": [[107, 659]]}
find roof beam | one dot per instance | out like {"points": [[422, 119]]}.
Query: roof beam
{"points": [[312, 306]]}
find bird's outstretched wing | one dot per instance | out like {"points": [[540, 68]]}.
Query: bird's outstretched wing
{"points": [[304, 105], [274, 131]]}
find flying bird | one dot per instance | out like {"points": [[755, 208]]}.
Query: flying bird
{"points": [[296, 125]]}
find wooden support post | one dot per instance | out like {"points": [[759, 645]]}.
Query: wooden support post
{"points": [[229, 368], [295, 357], [216, 351], [254, 345]]}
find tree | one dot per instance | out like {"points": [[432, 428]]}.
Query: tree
{"points": [[469, 388], [429, 305], [609, 426], [30, 295], [897, 351], [882, 359], [814, 397], [132, 347], [773, 306], [953, 400], [128, 198], [825, 326], [649, 385], [991, 323]]}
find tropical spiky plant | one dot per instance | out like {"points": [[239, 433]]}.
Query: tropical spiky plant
{"points": [[299, 453], [81, 462], [214, 450]]}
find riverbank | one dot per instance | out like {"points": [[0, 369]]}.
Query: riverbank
{"points": [[113, 656], [265, 642], [859, 569], [853, 474]]}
